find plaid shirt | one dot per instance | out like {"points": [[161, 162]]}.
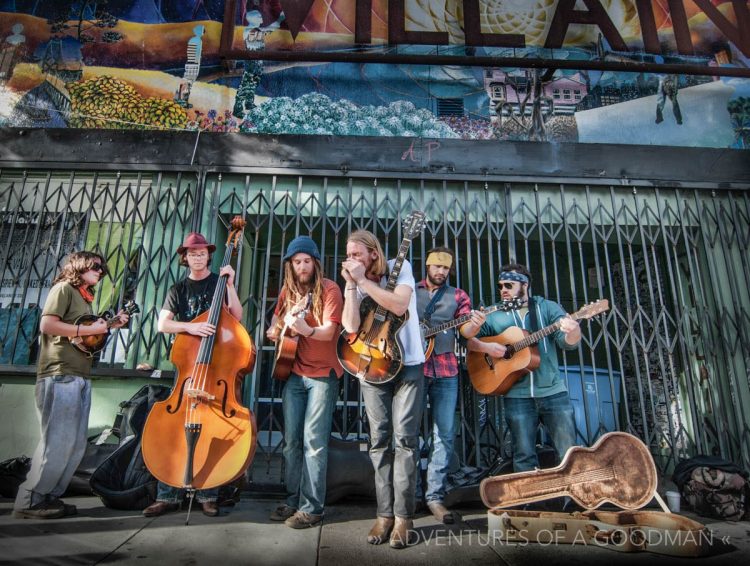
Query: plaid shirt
{"points": [[446, 365]]}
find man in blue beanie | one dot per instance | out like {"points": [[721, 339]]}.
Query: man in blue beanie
{"points": [[305, 326]]}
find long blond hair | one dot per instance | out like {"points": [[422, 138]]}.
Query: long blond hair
{"points": [[379, 267], [77, 264], [293, 293]]}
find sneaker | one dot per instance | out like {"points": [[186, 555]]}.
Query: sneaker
{"points": [[302, 520], [68, 509], [43, 510], [282, 513]]}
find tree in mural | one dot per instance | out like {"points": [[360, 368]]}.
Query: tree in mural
{"points": [[739, 113], [88, 16], [254, 35], [533, 126]]}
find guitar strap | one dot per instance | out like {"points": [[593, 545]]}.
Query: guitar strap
{"points": [[432, 305], [532, 315]]}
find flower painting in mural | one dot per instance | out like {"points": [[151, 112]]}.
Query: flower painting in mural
{"points": [[318, 114]]}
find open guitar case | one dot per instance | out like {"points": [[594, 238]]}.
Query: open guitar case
{"points": [[619, 470]]}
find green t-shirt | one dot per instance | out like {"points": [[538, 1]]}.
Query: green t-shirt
{"points": [[57, 356]]}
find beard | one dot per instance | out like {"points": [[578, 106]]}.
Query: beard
{"points": [[437, 280], [305, 278]]}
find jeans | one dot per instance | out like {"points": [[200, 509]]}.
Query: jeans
{"points": [[308, 404], [443, 395], [394, 411], [62, 403], [170, 494], [523, 416]]}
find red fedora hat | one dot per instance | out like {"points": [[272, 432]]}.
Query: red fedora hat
{"points": [[195, 240]]}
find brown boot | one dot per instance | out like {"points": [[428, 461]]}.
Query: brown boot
{"points": [[210, 508], [440, 512], [401, 531], [159, 508], [380, 530]]}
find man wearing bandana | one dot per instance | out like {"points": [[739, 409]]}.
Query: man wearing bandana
{"points": [[438, 302], [540, 395]]}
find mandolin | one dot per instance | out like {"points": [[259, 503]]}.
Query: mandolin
{"points": [[374, 353], [91, 345], [286, 345], [617, 469], [495, 376]]}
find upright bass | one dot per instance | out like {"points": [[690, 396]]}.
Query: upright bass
{"points": [[202, 436]]}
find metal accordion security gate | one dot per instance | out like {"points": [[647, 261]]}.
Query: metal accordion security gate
{"points": [[669, 362]]}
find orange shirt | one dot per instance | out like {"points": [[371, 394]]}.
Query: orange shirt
{"points": [[316, 358]]}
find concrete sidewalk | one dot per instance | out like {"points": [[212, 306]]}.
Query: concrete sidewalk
{"points": [[244, 535]]}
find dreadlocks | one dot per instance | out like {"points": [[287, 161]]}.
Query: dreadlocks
{"points": [[293, 293]]}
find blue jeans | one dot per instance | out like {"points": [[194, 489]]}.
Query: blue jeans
{"points": [[170, 494], [523, 416], [442, 393], [62, 404], [394, 412], [308, 404]]}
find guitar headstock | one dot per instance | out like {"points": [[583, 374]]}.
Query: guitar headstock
{"points": [[131, 307], [591, 310], [302, 307], [238, 225], [414, 223]]}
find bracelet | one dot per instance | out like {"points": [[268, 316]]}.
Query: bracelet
{"points": [[311, 333], [78, 330], [351, 288]]}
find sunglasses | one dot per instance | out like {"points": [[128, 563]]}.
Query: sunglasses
{"points": [[506, 285], [98, 267]]}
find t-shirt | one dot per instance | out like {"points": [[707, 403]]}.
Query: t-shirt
{"points": [[316, 358], [409, 335], [57, 356], [189, 298]]}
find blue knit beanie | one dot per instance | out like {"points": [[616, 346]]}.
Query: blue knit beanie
{"points": [[302, 245]]}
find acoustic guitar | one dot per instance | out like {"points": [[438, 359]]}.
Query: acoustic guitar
{"points": [[429, 332], [374, 353], [495, 376], [286, 345], [617, 469], [91, 345]]}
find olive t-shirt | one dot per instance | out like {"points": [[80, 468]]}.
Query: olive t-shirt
{"points": [[57, 356]]}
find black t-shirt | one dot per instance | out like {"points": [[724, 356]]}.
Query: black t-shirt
{"points": [[189, 298]]}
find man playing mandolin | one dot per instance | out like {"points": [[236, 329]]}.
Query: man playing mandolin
{"points": [[438, 302], [540, 395], [63, 392], [311, 390], [185, 300], [394, 408]]}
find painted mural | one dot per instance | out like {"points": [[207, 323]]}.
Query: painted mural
{"points": [[142, 64]]}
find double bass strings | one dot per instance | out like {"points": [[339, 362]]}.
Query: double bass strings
{"points": [[200, 369]]}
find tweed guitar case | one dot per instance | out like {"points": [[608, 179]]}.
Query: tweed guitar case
{"points": [[617, 469]]}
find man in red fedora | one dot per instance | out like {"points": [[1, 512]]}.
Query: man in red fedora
{"points": [[185, 300]]}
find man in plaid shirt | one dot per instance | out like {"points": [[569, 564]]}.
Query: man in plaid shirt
{"points": [[438, 302]]}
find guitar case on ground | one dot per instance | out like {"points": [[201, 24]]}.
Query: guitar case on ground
{"points": [[122, 481]]}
